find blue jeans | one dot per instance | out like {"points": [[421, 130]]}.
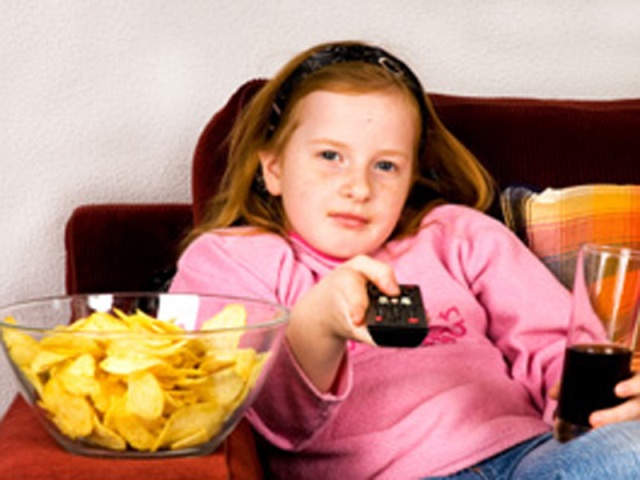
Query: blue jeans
{"points": [[607, 452]]}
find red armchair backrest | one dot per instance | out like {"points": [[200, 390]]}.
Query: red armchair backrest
{"points": [[212, 149], [548, 143]]}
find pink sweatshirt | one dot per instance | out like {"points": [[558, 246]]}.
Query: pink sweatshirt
{"points": [[476, 386]]}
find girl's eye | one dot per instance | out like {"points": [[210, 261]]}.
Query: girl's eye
{"points": [[386, 166], [330, 155]]}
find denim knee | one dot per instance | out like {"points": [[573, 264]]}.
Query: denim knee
{"points": [[612, 451]]}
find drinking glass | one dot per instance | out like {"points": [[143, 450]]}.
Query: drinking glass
{"points": [[601, 337]]}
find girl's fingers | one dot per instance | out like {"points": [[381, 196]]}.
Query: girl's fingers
{"points": [[629, 388], [629, 410], [554, 392], [376, 272]]}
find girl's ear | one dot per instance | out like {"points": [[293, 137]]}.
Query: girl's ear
{"points": [[271, 172]]}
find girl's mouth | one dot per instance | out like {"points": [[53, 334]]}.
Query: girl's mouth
{"points": [[349, 220]]}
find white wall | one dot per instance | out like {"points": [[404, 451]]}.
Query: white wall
{"points": [[102, 101]]}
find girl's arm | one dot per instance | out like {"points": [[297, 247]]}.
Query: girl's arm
{"points": [[333, 312]]}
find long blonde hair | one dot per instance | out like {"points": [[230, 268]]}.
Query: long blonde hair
{"points": [[445, 171]]}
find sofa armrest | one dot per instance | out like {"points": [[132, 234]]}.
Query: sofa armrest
{"points": [[123, 247], [27, 451]]}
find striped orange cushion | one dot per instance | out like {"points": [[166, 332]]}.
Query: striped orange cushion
{"points": [[556, 222]]}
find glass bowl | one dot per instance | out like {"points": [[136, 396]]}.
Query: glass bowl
{"points": [[141, 374]]}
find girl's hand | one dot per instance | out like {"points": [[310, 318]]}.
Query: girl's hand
{"points": [[332, 312], [629, 410], [346, 292]]}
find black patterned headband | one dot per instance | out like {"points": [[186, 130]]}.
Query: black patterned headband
{"points": [[343, 53]]}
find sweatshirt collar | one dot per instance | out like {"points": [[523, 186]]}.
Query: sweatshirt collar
{"points": [[318, 260]]}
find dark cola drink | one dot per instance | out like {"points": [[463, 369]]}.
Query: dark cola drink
{"points": [[589, 377]]}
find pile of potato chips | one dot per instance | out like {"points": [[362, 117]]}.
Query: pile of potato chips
{"points": [[143, 386]]}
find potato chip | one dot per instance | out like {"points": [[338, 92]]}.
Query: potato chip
{"points": [[67, 344], [72, 414], [34, 380], [245, 360], [45, 360], [233, 316], [199, 436], [215, 361], [105, 437], [110, 389], [130, 381], [98, 322], [190, 420], [250, 381], [176, 399], [22, 347], [144, 396], [138, 433], [223, 387], [78, 375], [141, 345], [141, 321], [125, 365]]}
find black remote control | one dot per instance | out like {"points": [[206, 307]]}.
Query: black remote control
{"points": [[397, 321]]}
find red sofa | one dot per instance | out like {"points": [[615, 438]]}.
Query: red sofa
{"points": [[538, 143]]}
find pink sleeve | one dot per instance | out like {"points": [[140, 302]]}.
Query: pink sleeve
{"points": [[292, 411]]}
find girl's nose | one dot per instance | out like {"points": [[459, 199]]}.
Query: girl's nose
{"points": [[356, 185]]}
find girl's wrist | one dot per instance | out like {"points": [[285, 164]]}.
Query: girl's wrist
{"points": [[318, 352]]}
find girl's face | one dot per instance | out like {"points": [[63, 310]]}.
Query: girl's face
{"points": [[346, 170]]}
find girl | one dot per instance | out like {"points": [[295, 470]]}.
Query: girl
{"points": [[341, 174]]}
